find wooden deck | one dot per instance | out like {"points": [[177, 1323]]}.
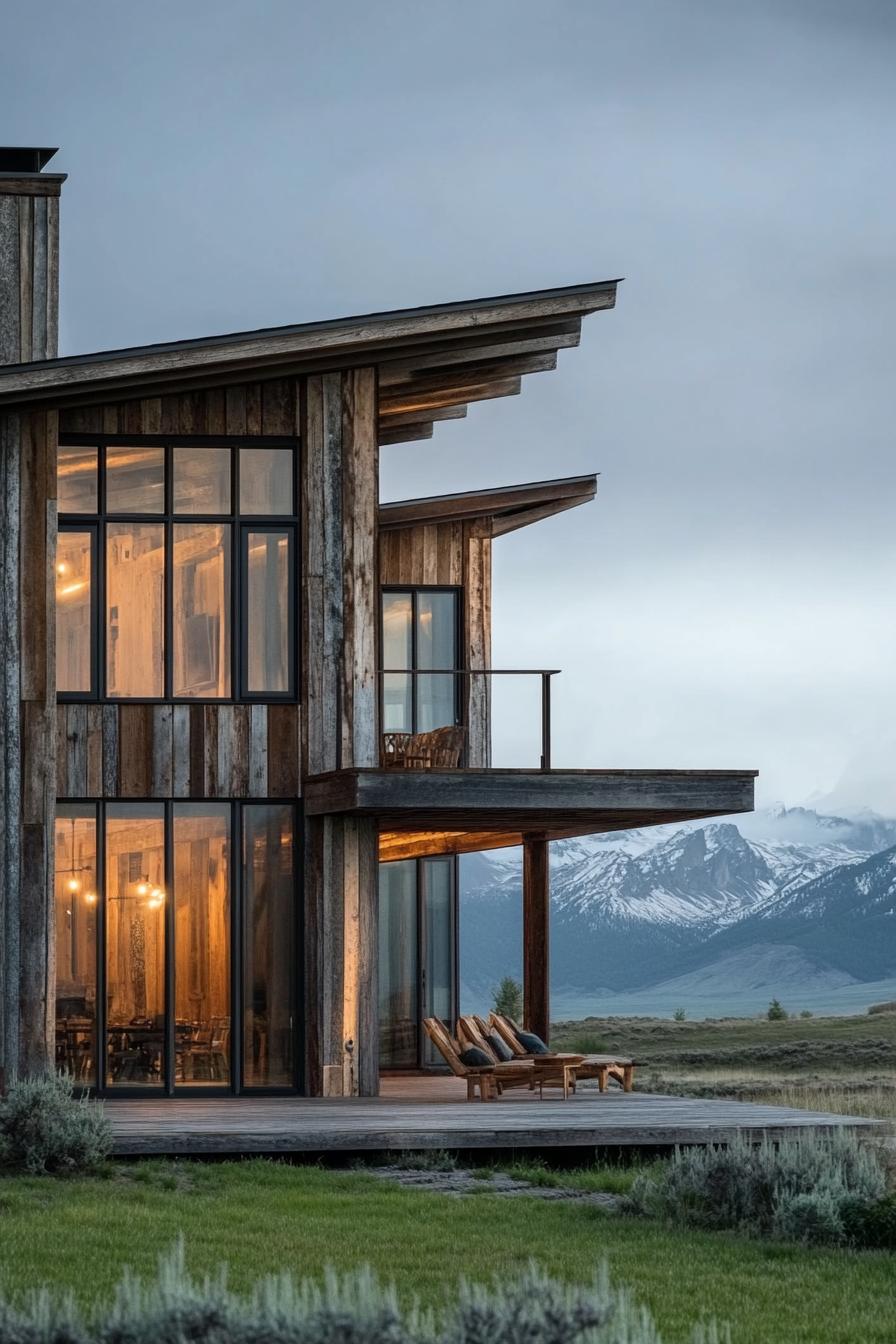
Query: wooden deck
{"points": [[431, 1113]]}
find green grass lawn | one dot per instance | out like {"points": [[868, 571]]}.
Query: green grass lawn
{"points": [[261, 1217]]}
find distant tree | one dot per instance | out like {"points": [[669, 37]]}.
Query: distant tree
{"points": [[679, 1015], [805, 1013], [776, 1012], [508, 998]]}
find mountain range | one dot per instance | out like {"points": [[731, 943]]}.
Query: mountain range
{"points": [[786, 902]]}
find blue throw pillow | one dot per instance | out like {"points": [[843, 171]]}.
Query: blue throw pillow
{"points": [[474, 1058], [532, 1043], [500, 1047]]}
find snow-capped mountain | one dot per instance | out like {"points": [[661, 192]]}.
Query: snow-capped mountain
{"points": [[636, 909]]}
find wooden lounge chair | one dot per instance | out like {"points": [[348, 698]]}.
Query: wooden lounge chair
{"points": [[541, 1072], [600, 1067], [450, 1050]]}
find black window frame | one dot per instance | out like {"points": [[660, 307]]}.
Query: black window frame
{"points": [[460, 652], [236, 521], [168, 1087]]}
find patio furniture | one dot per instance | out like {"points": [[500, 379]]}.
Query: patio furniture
{"points": [[544, 1071], [450, 1050], [600, 1067], [439, 749]]}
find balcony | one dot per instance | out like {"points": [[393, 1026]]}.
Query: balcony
{"points": [[456, 706]]}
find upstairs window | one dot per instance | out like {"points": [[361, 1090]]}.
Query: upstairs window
{"points": [[420, 648], [175, 573]]}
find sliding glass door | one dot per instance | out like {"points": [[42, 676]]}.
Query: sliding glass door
{"points": [[417, 957]]}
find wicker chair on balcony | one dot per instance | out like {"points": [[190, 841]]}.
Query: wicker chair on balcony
{"points": [[440, 749]]}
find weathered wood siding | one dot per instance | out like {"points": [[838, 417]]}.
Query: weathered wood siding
{"points": [[340, 638], [341, 922], [341, 611], [251, 409], [29, 268], [178, 751], [455, 555], [27, 740]]}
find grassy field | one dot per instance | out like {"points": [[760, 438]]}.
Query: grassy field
{"points": [[842, 1064], [262, 1217]]}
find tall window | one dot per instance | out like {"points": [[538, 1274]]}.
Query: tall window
{"points": [[165, 550], [176, 945], [420, 633]]}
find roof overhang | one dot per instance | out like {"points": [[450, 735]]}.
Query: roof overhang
{"points": [[508, 507], [432, 362], [499, 807]]}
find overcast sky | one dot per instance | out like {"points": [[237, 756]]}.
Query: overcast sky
{"points": [[728, 601]]}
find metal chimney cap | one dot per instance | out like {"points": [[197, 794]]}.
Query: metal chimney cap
{"points": [[24, 158]]}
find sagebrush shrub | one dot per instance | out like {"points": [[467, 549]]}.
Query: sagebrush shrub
{"points": [[351, 1309], [801, 1189], [45, 1128]]}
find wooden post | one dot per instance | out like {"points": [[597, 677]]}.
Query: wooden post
{"points": [[29, 288], [340, 484], [536, 936]]}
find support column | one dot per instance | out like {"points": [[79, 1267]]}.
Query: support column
{"points": [[29, 289], [340, 486], [536, 936]]}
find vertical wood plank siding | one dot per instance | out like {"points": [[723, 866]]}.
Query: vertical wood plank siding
{"points": [[246, 408], [29, 271], [178, 751], [458, 555], [340, 640]]}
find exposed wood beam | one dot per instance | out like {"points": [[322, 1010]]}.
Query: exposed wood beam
{"points": [[464, 375], [397, 371], [420, 429], [425, 844], [392, 420], [424, 402]]}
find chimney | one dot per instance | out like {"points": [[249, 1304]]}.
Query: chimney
{"points": [[29, 255]]}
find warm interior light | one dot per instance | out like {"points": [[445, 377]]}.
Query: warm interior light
{"points": [[156, 897], [143, 887], [62, 567], [73, 884], [90, 897]]}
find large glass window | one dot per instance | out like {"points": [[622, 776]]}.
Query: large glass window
{"points": [[268, 945], [177, 571], [77, 909], [173, 970], [419, 633]]}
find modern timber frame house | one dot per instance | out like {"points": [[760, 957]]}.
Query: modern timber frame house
{"points": [[212, 877]]}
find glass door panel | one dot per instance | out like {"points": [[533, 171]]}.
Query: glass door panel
{"points": [[202, 907], [436, 631], [417, 961], [438, 947], [398, 960], [77, 909], [269, 946], [135, 944]]}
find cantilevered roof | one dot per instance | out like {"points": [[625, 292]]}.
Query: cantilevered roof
{"points": [[509, 506], [432, 361]]}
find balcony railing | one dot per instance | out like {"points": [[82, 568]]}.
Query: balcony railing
{"points": [[464, 712]]}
